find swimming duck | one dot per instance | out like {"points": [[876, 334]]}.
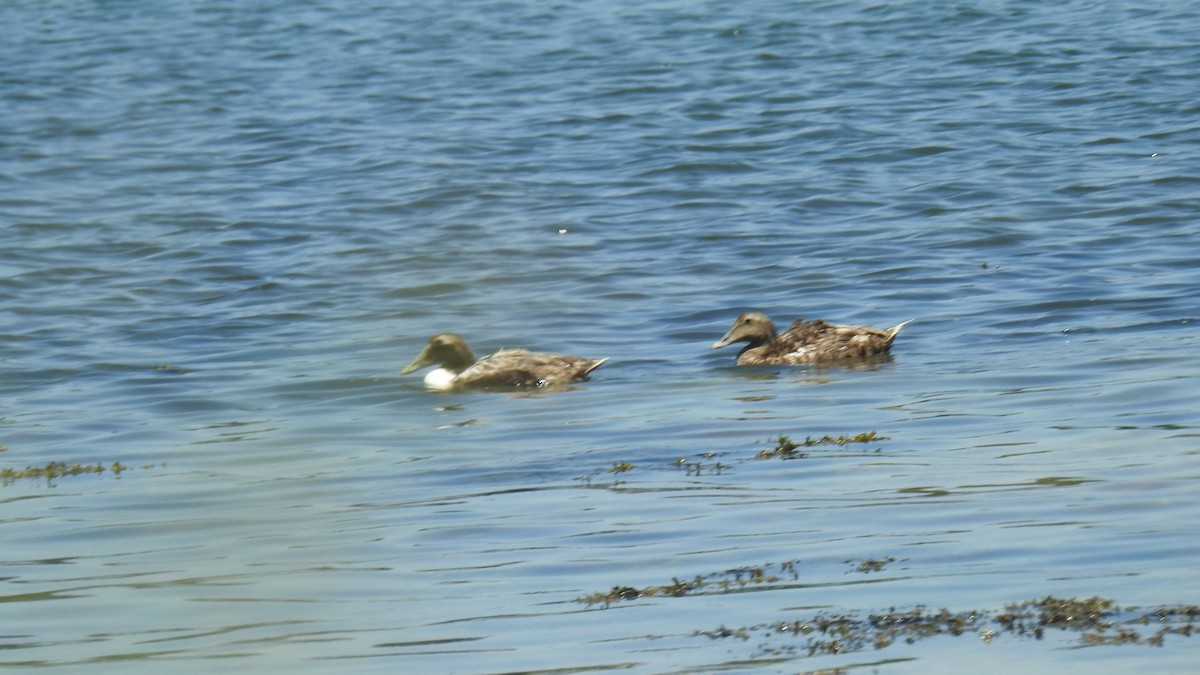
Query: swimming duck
{"points": [[804, 343], [459, 369]]}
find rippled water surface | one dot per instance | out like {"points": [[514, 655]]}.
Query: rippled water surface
{"points": [[227, 227]]}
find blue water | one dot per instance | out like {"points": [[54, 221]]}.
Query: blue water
{"points": [[228, 225]]}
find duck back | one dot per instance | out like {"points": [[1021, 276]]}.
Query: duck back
{"points": [[522, 368], [816, 342]]}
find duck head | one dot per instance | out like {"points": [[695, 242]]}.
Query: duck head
{"points": [[447, 350], [752, 327]]}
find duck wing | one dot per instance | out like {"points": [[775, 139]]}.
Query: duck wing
{"points": [[519, 368], [820, 341]]}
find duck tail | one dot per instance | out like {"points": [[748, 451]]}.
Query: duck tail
{"points": [[594, 364]]}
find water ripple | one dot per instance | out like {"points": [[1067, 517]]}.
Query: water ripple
{"points": [[230, 226]]}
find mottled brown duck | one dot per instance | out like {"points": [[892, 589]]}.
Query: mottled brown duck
{"points": [[508, 368], [805, 343]]}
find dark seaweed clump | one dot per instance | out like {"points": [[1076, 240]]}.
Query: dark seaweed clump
{"points": [[53, 470], [719, 582], [1097, 620], [786, 448]]}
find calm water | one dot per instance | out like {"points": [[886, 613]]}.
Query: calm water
{"points": [[228, 225]]}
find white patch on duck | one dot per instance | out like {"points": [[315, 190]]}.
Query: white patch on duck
{"points": [[440, 379]]}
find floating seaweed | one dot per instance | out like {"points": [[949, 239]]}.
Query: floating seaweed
{"points": [[786, 448], [54, 470], [616, 468], [865, 437], [699, 467], [709, 462], [1098, 621], [872, 565], [620, 467], [674, 589], [720, 582]]}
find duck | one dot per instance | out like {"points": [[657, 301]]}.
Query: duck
{"points": [[805, 342], [508, 368]]}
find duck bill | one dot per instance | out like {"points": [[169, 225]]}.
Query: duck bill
{"points": [[421, 361], [725, 341]]}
